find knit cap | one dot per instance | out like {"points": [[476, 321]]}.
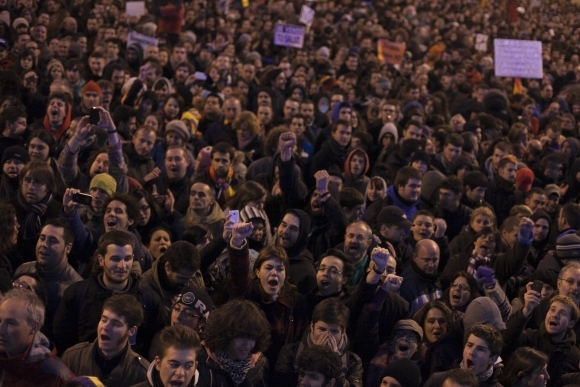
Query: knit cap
{"points": [[15, 152], [105, 182], [404, 371], [88, 381], [179, 127], [389, 127], [195, 298], [524, 179], [483, 310], [568, 247], [91, 86]]}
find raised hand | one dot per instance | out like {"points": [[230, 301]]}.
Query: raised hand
{"points": [[67, 200], [169, 202], [286, 142], [380, 257], [531, 300], [440, 227], [154, 174], [526, 227], [486, 275], [240, 232], [392, 283], [228, 228], [83, 128], [322, 178]]}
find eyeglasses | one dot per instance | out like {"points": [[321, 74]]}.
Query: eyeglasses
{"points": [[331, 270], [358, 237], [571, 282], [461, 287], [199, 194], [21, 285], [31, 182]]}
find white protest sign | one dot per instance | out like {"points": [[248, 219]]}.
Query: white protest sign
{"points": [[289, 35], [481, 42], [306, 15], [135, 8], [141, 39], [518, 58]]}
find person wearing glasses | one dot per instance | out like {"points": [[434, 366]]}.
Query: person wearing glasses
{"points": [[191, 308], [34, 204], [203, 209], [328, 329]]}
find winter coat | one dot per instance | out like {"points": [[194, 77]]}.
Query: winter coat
{"points": [[286, 371], [392, 199], [419, 288], [564, 356], [79, 314], [38, 366], [330, 154], [301, 272], [502, 196], [132, 368], [436, 380], [288, 316]]}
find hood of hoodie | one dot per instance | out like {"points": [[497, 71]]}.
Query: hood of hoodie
{"points": [[430, 183], [349, 157], [337, 109], [389, 127], [302, 240], [137, 47]]}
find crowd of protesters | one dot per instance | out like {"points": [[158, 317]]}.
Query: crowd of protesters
{"points": [[211, 209]]}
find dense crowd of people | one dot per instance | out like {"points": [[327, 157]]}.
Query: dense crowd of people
{"points": [[185, 203]]}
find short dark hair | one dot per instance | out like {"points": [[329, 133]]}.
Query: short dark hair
{"points": [[68, 234], [350, 198], [237, 318], [347, 265], [128, 306], [178, 337], [534, 190], [182, 255], [462, 377], [223, 147], [129, 202], [571, 212], [423, 213], [331, 311], [216, 95], [321, 359], [338, 123], [115, 237], [10, 115], [475, 179], [487, 333], [454, 139], [405, 174], [452, 183]]}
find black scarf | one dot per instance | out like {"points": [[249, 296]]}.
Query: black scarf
{"points": [[32, 222]]}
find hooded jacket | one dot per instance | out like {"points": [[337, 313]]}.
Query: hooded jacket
{"points": [[359, 183], [539, 248], [38, 366], [301, 272], [153, 379]]}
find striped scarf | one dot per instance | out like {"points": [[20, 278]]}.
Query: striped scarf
{"points": [[475, 261]]}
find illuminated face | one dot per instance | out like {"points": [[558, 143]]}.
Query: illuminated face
{"points": [[177, 367], [476, 355]]}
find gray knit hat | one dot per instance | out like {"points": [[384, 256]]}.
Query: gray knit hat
{"points": [[483, 310]]}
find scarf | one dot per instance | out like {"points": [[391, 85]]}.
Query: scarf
{"points": [[214, 216], [223, 183], [483, 376], [475, 261], [236, 368], [32, 221], [63, 127]]}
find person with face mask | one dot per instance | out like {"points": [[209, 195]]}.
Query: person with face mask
{"points": [[328, 328], [232, 354]]}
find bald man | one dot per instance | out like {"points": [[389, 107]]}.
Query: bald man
{"points": [[420, 280]]}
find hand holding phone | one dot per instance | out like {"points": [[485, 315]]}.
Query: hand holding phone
{"points": [[235, 216], [537, 286], [95, 116], [82, 198]]}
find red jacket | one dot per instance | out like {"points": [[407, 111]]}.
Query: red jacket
{"points": [[38, 366], [171, 19]]}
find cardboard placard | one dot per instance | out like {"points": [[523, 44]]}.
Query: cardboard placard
{"points": [[288, 35], [306, 15], [518, 58], [142, 40], [481, 42], [391, 52], [135, 8]]}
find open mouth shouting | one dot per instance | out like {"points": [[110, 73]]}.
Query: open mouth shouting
{"points": [[455, 297], [273, 285], [111, 223], [324, 284], [177, 382], [403, 349], [468, 364], [353, 248]]}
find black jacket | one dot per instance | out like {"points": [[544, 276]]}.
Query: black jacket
{"points": [[502, 196]]}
